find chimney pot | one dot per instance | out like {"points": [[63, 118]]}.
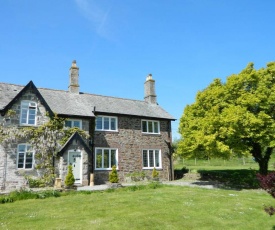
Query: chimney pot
{"points": [[149, 90], [74, 75]]}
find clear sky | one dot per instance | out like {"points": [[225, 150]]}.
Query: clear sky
{"points": [[184, 44]]}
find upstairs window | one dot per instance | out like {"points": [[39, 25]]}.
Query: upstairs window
{"points": [[106, 123], [73, 123], [24, 156], [150, 126], [28, 113], [151, 158]]}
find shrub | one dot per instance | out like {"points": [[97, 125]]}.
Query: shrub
{"points": [[155, 173], [69, 181], [267, 182], [113, 176]]}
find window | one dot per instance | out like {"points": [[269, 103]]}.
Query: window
{"points": [[25, 156], [150, 127], [73, 123], [106, 123], [28, 113], [105, 158], [151, 158]]}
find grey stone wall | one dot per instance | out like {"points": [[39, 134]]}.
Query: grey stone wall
{"points": [[61, 164], [12, 178], [130, 141]]}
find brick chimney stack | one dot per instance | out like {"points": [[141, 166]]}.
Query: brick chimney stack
{"points": [[73, 75], [149, 90]]}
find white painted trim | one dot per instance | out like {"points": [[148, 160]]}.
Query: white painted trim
{"points": [[160, 158], [148, 128], [109, 130], [102, 149]]}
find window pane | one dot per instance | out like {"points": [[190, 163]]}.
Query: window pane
{"points": [[106, 158], [157, 161], [77, 124], [113, 124], [145, 159], [20, 160], [32, 111], [156, 127], [113, 158], [99, 123], [144, 126], [106, 123], [68, 124], [151, 158], [150, 126], [98, 158], [21, 148], [28, 160]]}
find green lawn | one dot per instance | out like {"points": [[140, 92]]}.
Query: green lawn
{"points": [[166, 207]]}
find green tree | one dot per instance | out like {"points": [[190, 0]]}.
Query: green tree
{"points": [[235, 117]]}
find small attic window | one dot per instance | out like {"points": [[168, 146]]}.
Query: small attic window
{"points": [[28, 113]]}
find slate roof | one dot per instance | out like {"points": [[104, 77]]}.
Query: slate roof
{"points": [[83, 104]]}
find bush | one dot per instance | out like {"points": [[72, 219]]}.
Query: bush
{"points": [[26, 194], [155, 173], [113, 176], [267, 182], [69, 181]]}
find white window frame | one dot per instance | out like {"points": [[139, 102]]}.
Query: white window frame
{"points": [[148, 152], [27, 149], [25, 112], [155, 124], [72, 123], [103, 150], [109, 123]]}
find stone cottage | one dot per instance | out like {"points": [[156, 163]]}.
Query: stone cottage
{"points": [[131, 134]]}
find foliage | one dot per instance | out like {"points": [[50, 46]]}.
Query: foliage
{"points": [[155, 173], [136, 176], [113, 176], [69, 181], [267, 182], [45, 141], [35, 182], [233, 118], [28, 194]]}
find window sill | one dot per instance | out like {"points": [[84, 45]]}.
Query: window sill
{"points": [[151, 134], [107, 131]]}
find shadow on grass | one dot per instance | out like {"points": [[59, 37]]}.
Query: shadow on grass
{"points": [[224, 178], [231, 178]]}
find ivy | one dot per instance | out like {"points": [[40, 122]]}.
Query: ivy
{"points": [[45, 140]]}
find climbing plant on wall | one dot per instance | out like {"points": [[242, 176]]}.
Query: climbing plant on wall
{"points": [[45, 140]]}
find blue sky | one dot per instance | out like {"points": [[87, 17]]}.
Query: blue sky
{"points": [[184, 44]]}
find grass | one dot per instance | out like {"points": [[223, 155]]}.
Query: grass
{"points": [[143, 207], [238, 173]]}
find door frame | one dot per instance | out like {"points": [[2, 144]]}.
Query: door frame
{"points": [[72, 151]]}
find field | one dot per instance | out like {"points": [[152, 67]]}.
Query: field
{"points": [[147, 207], [152, 206]]}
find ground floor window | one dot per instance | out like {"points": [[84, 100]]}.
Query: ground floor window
{"points": [[24, 156], [151, 158], [105, 158]]}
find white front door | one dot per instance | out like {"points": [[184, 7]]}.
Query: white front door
{"points": [[75, 161]]}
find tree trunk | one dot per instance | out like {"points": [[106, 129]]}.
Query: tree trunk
{"points": [[262, 158]]}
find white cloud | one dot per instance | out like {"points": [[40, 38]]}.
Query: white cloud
{"points": [[97, 15]]}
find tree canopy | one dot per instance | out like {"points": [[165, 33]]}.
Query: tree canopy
{"points": [[236, 117]]}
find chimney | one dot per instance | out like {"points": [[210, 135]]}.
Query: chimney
{"points": [[74, 86], [149, 90]]}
